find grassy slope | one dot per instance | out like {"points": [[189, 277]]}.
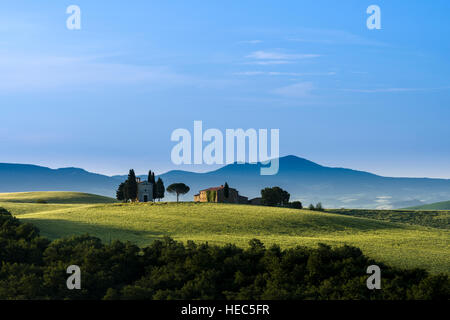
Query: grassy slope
{"points": [[54, 197], [399, 244], [445, 205], [435, 219]]}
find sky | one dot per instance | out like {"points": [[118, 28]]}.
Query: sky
{"points": [[107, 97]]}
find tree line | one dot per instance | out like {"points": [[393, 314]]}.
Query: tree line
{"points": [[128, 190], [33, 267]]}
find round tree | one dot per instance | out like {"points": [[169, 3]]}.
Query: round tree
{"points": [[178, 188]]}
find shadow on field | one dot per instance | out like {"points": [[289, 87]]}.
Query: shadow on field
{"points": [[58, 228], [434, 219], [333, 223]]}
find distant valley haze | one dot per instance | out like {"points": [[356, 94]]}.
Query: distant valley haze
{"points": [[305, 180]]}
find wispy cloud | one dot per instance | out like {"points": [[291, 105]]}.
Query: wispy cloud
{"points": [[267, 55], [290, 74], [250, 41], [23, 73], [383, 202], [393, 90], [297, 90], [276, 58], [269, 62], [332, 37], [22, 23]]}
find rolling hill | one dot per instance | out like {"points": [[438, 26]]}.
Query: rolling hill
{"points": [[444, 205], [398, 244], [54, 197], [305, 180], [44, 201]]}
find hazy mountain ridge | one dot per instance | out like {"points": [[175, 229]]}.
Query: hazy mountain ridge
{"points": [[305, 180], [24, 177], [444, 205]]}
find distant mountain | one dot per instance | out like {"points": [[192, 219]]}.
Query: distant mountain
{"points": [[304, 180], [444, 205], [310, 182], [24, 177]]}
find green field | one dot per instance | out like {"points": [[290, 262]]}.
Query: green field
{"points": [[444, 205], [396, 243], [429, 218], [54, 197]]}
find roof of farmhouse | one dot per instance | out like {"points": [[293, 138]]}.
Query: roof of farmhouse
{"points": [[213, 189]]}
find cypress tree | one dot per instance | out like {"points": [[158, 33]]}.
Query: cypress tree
{"points": [[155, 191], [149, 178], [132, 186], [226, 190], [120, 193], [160, 189]]}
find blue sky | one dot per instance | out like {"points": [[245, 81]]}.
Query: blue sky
{"points": [[107, 97]]}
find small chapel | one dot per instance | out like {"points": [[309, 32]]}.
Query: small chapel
{"points": [[145, 190]]}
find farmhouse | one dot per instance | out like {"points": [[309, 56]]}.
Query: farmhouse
{"points": [[145, 190], [217, 194]]}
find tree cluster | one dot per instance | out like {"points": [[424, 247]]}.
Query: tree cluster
{"points": [[158, 186], [32, 267], [274, 196], [277, 197], [318, 207], [128, 190]]}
